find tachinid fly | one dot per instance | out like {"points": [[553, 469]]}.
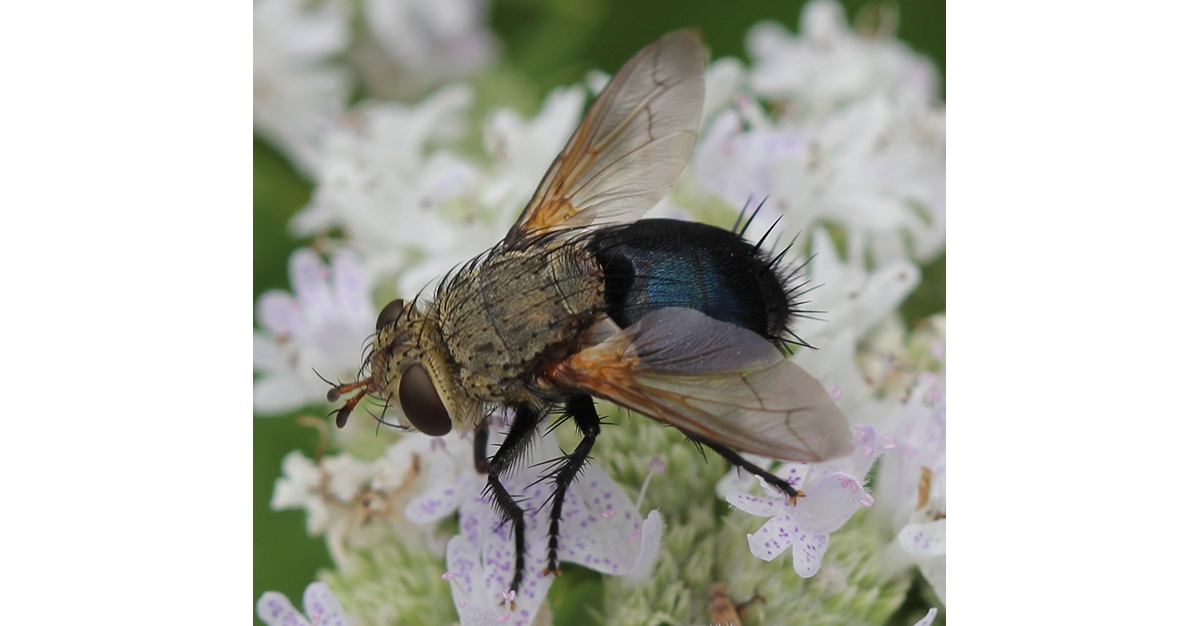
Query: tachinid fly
{"points": [[678, 321]]}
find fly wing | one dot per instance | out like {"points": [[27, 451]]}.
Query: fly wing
{"points": [[630, 147], [715, 380]]}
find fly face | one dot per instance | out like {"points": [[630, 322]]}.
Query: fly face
{"points": [[408, 368]]}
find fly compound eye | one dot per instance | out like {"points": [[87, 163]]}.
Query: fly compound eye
{"points": [[421, 403], [390, 313]]}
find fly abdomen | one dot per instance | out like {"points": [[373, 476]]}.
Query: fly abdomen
{"points": [[658, 263]]}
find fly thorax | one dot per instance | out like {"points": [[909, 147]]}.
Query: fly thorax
{"points": [[507, 316]]}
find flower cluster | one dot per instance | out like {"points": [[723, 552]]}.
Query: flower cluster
{"points": [[857, 138], [839, 135], [308, 57]]}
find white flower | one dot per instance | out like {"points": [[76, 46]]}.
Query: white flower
{"points": [[355, 503], [322, 328], [912, 483], [388, 184], [828, 65], [600, 529], [867, 167], [416, 44], [846, 296], [856, 137], [836, 367], [300, 487], [521, 152], [924, 539], [320, 607], [724, 81], [298, 90], [833, 491], [918, 428]]}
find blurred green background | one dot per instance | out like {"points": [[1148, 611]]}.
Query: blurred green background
{"points": [[546, 43]]}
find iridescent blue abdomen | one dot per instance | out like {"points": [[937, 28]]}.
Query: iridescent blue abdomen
{"points": [[657, 263]]}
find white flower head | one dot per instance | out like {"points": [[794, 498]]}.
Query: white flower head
{"points": [[912, 483], [321, 327], [298, 89], [415, 44], [321, 608], [878, 174], [828, 65], [600, 529], [388, 181], [833, 491], [521, 151], [855, 136], [846, 296], [918, 431], [835, 366]]}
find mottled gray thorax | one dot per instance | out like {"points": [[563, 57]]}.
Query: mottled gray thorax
{"points": [[513, 313]]}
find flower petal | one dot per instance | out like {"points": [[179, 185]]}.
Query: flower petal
{"points": [[773, 538], [807, 553], [442, 499], [276, 610], [652, 534], [600, 528], [928, 539], [279, 313], [831, 502], [754, 505], [322, 607]]}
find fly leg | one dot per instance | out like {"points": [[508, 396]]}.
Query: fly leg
{"points": [[524, 429], [582, 409], [738, 461], [481, 447]]}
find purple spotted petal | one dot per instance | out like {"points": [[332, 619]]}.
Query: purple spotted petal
{"points": [[464, 575], [479, 580], [443, 499], [793, 473], [928, 539], [600, 528], [276, 610], [762, 507], [322, 607], [773, 538], [806, 556]]}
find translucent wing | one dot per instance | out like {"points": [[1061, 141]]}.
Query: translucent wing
{"points": [[712, 379], [631, 145]]}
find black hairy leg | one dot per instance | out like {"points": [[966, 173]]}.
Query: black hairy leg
{"points": [[524, 428], [582, 409], [738, 461]]}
